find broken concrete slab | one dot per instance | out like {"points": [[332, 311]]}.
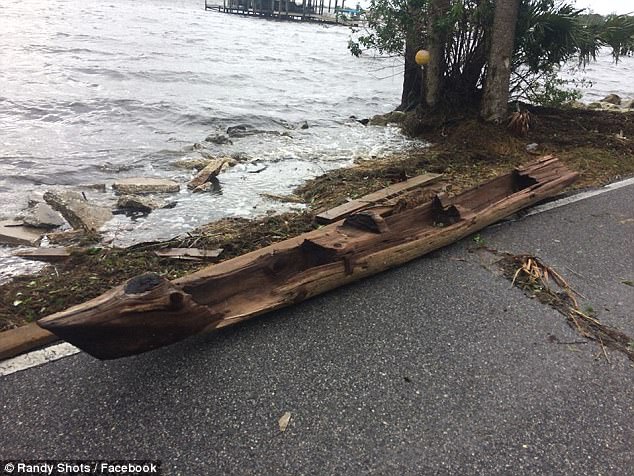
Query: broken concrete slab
{"points": [[42, 215], [205, 175], [139, 203], [16, 233], [197, 163], [77, 211], [143, 185]]}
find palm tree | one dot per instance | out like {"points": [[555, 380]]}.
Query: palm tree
{"points": [[496, 87]]}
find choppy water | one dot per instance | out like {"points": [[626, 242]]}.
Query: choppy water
{"points": [[92, 91]]}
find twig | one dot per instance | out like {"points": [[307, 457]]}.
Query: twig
{"points": [[604, 352], [575, 272]]}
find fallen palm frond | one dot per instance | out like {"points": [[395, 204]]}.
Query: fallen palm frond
{"points": [[520, 122], [534, 277]]}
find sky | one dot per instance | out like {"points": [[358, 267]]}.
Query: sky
{"points": [[607, 6]]}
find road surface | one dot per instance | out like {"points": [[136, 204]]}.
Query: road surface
{"points": [[437, 367]]}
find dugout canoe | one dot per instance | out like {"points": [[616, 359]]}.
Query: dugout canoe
{"points": [[148, 311]]}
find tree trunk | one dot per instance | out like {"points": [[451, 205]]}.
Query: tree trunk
{"points": [[435, 70], [412, 78], [496, 88]]}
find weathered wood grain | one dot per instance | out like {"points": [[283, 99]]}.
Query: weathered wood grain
{"points": [[149, 311], [341, 211]]}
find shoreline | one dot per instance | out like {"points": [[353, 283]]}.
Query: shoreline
{"points": [[466, 152]]}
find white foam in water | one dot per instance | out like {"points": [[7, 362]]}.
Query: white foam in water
{"points": [[11, 266]]}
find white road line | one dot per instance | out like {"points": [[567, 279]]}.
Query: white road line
{"points": [[59, 351], [37, 357], [579, 196]]}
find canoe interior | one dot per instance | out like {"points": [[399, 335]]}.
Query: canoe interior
{"points": [[256, 287]]}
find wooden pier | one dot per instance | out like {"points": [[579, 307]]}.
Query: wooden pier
{"points": [[319, 11]]}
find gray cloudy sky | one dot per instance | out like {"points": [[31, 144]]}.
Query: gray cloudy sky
{"points": [[607, 6]]}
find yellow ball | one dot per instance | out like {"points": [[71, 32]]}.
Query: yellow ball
{"points": [[422, 57]]}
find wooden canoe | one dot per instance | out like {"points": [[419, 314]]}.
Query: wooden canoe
{"points": [[149, 311]]}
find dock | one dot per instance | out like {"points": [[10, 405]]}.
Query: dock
{"points": [[318, 11]]}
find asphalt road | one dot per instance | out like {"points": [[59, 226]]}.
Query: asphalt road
{"points": [[438, 367]]}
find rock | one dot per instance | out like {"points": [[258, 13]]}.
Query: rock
{"points": [[229, 162], [41, 215], [77, 211], [16, 233], [206, 155], [141, 185], [33, 199], [212, 186], [211, 170], [218, 139], [532, 148], [612, 99], [604, 106], [201, 163], [240, 156], [611, 107], [304, 125], [575, 104], [629, 104], [238, 130], [138, 203], [192, 163], [394, 117], [98, 187]]}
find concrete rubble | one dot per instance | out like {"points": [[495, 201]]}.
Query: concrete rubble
{"points": [[139, 203], [77, 211], [42, 215], [212, 169], [16, 233], [144, 185], [611, 102], [197, 163]]}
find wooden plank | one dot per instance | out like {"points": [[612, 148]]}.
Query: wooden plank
{"points": [[392, 191], [51, 255], [189, 253], [23, 339], [149, 311]]}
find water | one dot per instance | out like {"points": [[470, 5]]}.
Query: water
{"points": [[92, 91], [604, 77]]}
